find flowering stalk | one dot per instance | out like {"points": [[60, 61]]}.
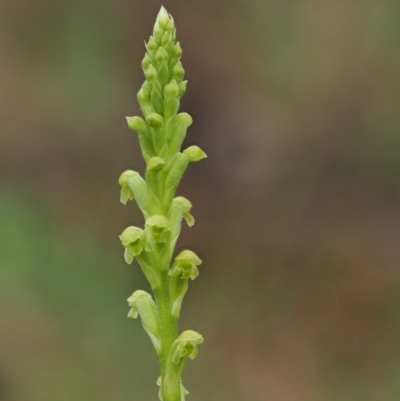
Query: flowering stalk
{"points": [[160, 135]]}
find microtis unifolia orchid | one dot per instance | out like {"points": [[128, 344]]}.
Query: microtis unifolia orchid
{"points": [[160, 134]]}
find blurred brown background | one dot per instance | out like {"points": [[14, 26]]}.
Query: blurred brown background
{"points": [[297, 206]]}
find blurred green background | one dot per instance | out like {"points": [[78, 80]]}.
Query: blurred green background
{"points": [[297, 206]]}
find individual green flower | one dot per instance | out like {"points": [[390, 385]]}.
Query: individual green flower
{"points": [[131, 239], [126, 192], [142, 304], [157, 229], [186, 206], [185, 346], [185, 265], [132, 302]]}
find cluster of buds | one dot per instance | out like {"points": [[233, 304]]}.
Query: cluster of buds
{"points": [[161, 132]]}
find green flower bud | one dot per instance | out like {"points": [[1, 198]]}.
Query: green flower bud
{"points": [[186, 346], [158, 33], [131, 239], [155, 164], [126, 192], [186, 206], [171, 90], [178, 72], [194, 153], [155, 120], [143, 95], [136, 124], [185, 265], [177, 50], [157, 229], [142, 304], [163, 19], [151, 74], [182, 88], [146, 62], [152, 44], [165, 39], [162, 55], [184, 119]]}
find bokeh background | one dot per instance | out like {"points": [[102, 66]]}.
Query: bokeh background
{"points": [[297, 206]]}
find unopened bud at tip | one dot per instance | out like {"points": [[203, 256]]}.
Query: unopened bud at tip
{"points": [[163, 18]]}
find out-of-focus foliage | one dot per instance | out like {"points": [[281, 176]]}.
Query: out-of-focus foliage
{"points": [[296, 104]]}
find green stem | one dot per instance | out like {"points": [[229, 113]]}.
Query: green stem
{"points": [[168, 324]]}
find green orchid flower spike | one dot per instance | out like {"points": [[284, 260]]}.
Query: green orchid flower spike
{"points": [[161, 132]]}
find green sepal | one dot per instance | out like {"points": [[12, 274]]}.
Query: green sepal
{"points": [[139, 188], [174, 176], [142, 304]]}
